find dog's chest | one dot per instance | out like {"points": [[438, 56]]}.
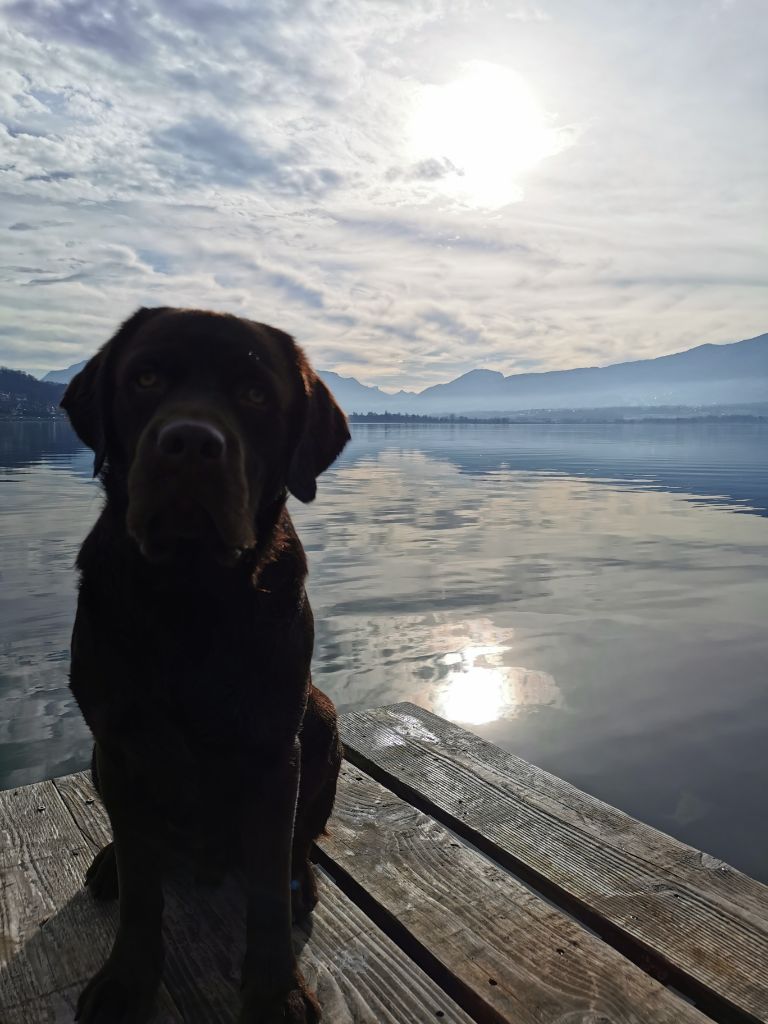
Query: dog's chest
{"points": [[211, 699], [212, 676]]}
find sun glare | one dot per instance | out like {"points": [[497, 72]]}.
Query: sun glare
{"points": [[476, 696], [480, 688], [482, 134]]}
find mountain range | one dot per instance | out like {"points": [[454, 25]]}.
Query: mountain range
{"points": [[708, 375]]}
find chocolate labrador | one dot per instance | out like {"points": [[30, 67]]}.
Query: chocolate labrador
{"points": [[193, 637]]}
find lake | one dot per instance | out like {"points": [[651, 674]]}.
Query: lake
{"points": [[593, 598]]}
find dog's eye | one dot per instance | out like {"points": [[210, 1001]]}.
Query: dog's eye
{"points": [[147, 379], [254, 395]]}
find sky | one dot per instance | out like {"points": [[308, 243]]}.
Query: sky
{"points": [[413, 188]]}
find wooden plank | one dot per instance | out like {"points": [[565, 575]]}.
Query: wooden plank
{"points": [[54, 936], [360, 975], [701, 920], [512, 956]]}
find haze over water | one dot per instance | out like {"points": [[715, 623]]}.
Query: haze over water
{"points": [[592, 597]]}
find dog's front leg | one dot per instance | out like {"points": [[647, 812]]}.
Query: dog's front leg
{"points": [[125, 987], [274, 991]]}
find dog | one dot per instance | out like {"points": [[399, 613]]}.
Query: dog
{"points": [[193, 637]]}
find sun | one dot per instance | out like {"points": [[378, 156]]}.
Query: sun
{"points": [[480, 135]]}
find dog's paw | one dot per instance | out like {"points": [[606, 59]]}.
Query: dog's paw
{"points": [[298, 1006], [303, 894], [118, 994], [101, 876]]}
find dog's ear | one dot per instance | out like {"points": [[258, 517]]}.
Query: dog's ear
{"points": [[322, 439], [88, 398], [81, 404]]}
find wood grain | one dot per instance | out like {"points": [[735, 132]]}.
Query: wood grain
{"points": [[462, 931], [513, 957], [683, 910], [360, 975], [54, 936]]}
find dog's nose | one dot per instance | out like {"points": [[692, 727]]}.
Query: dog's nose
{"points": [[191, 439]]}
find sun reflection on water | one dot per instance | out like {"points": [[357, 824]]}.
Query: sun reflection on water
{"points": [[480, 688]]}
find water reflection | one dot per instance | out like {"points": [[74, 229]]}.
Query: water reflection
{"points": [[475, 691], [716, 463], [474, 683], [52, 442], [585, 597], [479, 688]]}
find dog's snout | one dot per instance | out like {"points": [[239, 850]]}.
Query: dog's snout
{"points": [[191, 440]]}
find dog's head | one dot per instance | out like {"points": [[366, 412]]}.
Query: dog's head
{"points": [[204, 419]]}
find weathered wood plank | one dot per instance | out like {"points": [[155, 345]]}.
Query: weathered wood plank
{"points": [[192, 972], [703, 920], [360, 975], [54, 937], [516, 957]]}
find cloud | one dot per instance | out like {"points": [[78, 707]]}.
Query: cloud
{"points": [[431, 169], [222, 154], [51, 176], [109, 26], [217, 152], [210, 151]]}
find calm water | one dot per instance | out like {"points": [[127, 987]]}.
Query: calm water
{"points": [[592, 598]]}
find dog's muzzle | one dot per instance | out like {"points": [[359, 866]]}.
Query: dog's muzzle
{"points": [[187, 488]]}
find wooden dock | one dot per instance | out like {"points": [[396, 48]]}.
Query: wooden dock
{"points": [[459, 884]]}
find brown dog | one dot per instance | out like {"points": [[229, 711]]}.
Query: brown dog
{"points": [[192, 643]]}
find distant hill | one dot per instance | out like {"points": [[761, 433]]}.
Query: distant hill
{"points": [[64, 376], [24, 395], [354, 396], [710, 375], [702, 377]]}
